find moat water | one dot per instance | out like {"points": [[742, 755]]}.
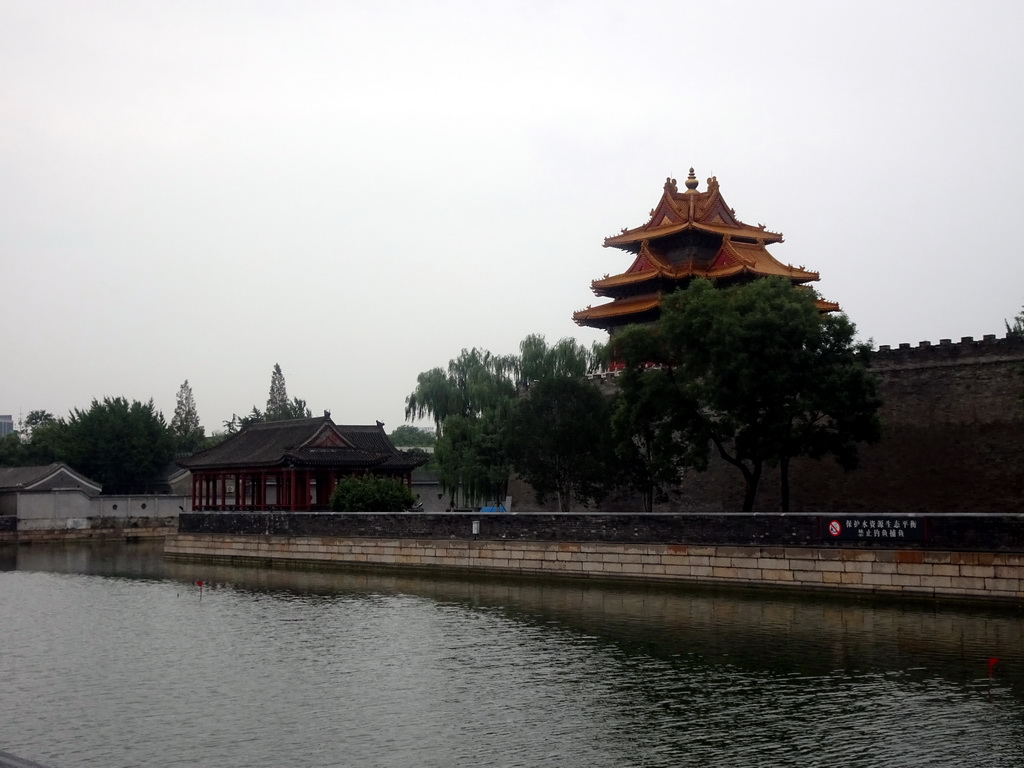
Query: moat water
{"points": [[110, 657]]}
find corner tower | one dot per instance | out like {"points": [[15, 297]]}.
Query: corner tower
{"points": [[690, 234]]}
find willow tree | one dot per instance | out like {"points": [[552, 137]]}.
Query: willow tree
{"points": [[469, 402], [758, 375]]}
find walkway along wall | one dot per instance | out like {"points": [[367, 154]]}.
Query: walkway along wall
{"points": [[968, 557]]}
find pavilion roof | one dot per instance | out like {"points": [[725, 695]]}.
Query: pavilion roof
{"points": [[303, 442], [691, 211]]}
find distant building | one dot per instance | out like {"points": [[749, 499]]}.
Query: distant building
{"points": [[6, 424]]}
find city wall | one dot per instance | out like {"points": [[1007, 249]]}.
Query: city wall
{"points": [[953, 443], [967, 557]]}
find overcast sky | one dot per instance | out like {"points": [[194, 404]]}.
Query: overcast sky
{"points": [[358, 190]]}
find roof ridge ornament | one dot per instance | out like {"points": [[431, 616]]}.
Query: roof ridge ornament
{"points": [[670, 185], [691, 182]]}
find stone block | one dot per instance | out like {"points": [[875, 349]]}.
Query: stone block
{"points": [[918, 569], [1009, 586], [937, 582], [852, 577], [696, 551], [832, 577], [877, 579], [780, 574], [857, 555], [979, 571], [674, 560], [829, 565], [678, 570], [906, 580], [858, 566]]}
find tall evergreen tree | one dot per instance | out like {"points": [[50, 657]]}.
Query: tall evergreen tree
{"points": [[278, 405], [185, 427]]}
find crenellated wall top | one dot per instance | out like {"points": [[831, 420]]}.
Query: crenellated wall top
{"points": [[987, 349]]}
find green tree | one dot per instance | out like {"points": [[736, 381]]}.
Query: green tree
{"points": [[125, 446], [278, 404], [413, 437], [655, 440], [37, 418], [371, 493], [185, 427], [469, 402], [558, 437], [757, 373]]}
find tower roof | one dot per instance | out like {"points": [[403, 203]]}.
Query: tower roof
{"points": [[691, 211], [690, 234]]}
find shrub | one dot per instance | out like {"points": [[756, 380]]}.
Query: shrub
{"points": [[370, 493]]}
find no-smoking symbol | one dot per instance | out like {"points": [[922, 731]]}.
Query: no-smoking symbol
{"points": [[835, 528]]}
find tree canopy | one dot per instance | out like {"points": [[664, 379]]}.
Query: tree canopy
{"points": [[409, 436], [279, 407], [754, 372], [470, 400], [558, 439], [125, 446]]}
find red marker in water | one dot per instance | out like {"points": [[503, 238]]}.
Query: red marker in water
{"points": [[992, 661]]}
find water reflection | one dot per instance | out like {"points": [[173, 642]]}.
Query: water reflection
{"points": [[267, 666]]}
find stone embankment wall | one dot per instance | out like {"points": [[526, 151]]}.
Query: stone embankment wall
{"points": [[953, 443], [978, 557]]}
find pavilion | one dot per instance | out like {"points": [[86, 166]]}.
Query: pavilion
{"points": [[291, 465]]}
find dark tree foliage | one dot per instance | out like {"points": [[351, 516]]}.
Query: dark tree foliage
{"points": [[37, 418], [655, 441], [37, 444], [1016, 328], [370, 493], [756, 373], [558, 436], [125, 446]]}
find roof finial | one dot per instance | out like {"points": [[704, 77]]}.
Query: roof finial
{"points": [[691, 182]]}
